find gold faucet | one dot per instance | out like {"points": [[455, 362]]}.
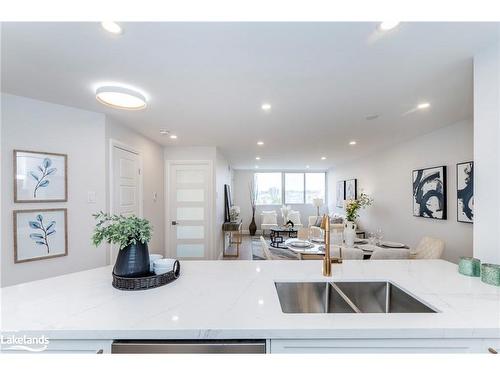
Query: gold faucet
{"points": [[327, 260]]}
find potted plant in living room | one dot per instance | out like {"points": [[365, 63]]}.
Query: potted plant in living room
{"points": [[131, 234], [352, 208]]}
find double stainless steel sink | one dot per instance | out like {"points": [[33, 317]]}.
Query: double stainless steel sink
{"points": [[347, 297]]}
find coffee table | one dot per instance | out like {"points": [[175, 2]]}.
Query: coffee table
{"points": [[278, 236]]}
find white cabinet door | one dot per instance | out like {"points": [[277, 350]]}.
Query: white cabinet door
{"points": [[376, 346], [71, 347]]}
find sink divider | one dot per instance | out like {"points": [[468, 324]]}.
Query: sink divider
{"points": [[351, 304]]}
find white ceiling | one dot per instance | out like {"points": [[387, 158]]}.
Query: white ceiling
{"points": [[206, 81]]}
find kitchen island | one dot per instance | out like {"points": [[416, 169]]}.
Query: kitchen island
{"points": [[218, 300]]}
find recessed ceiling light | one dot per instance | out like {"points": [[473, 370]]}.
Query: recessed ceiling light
{"points": [[173, 136], [352, 143], [323, 158], [111, 27], [257, 158], [388, 25], [266, 107], [120, 97], [423, 105], [260, 143], [164, 132]]}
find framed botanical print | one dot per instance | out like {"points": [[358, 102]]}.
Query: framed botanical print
{"points": [[465, 192], [340, 194], [429, 193], [351, 189], [40, 234], [40, 177]]}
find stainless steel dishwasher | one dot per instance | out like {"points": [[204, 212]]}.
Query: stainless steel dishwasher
{"points": [[188, 346]]}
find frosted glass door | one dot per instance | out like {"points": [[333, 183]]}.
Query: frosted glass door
{"points": [[189, 199]]}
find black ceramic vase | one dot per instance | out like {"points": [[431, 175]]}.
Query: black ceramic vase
{"points": [[253, 227], [132, 261]]}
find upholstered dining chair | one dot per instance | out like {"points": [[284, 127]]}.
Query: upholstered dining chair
{"points": [[303, 234], [380, 254], [348, 253], [265, 249], [429, 248], [294, 217], [315, 232], [269, 220]]}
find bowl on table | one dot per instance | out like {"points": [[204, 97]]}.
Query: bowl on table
{"points": [[152, 258], [161, 266]]}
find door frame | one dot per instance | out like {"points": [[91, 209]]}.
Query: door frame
{"points": [[125, 147], [210, 191]]}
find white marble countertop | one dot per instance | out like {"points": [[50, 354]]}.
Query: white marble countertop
{"points": [[237, 299]]}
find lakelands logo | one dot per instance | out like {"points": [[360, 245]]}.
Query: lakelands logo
{"points": [[24, 342]]}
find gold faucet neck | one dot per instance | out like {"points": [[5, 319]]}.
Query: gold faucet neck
{"points": [[327, 265]]}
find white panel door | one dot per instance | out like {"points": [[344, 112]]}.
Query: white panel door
{"points": [[189, 205], [126, 185]]}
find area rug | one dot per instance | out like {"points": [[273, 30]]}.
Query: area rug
{"points": [[257, 253]]}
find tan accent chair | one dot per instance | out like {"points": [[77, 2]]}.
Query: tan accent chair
{"points": [[429, 248], [294, 217], [381, 254], [265, 249], [269, 220]]}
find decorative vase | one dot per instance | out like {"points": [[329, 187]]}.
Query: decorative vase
{"points": [[132, 261], [349, 233], [253, 227]]}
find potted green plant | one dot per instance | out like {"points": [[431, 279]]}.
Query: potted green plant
{"points": [[352, 208], [131, 234]]}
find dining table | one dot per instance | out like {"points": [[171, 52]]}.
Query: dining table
{"points": [[316, 246]]}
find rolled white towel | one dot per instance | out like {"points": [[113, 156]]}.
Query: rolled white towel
{"points": [[152, 258], [165, 265]]}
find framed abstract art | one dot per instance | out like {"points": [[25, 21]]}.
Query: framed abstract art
{"points": [[429, 193], [351, 189], [465, 192]]}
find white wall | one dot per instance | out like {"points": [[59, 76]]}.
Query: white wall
{"points": [[241, 197], [387, 177], [486, 154], [153, 168], [34, 125]]}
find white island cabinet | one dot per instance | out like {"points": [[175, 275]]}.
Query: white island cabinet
{"points": [[220, 300]]}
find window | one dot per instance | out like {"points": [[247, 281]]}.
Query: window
{"points": [[294, 188], [268, 188], [289, 187], [315, 186]]}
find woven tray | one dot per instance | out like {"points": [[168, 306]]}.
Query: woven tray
{"points": [[148, 281]]}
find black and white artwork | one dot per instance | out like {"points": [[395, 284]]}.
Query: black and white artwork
{"points": [[465, 192], [40, 234], [40, 177], [429, 193], [351, 189], [340, 194]]}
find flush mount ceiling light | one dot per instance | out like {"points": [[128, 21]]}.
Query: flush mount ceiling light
{"points": [[388, 25], [352, 143], [260, 143], [112, 27], [266, 107], [120, 97], [423, 105]]}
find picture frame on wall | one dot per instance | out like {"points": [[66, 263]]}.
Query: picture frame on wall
{"points": [[429, 193], [340, 194], [40, 177], [351, 189], [40, 234], [465, 192]]}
